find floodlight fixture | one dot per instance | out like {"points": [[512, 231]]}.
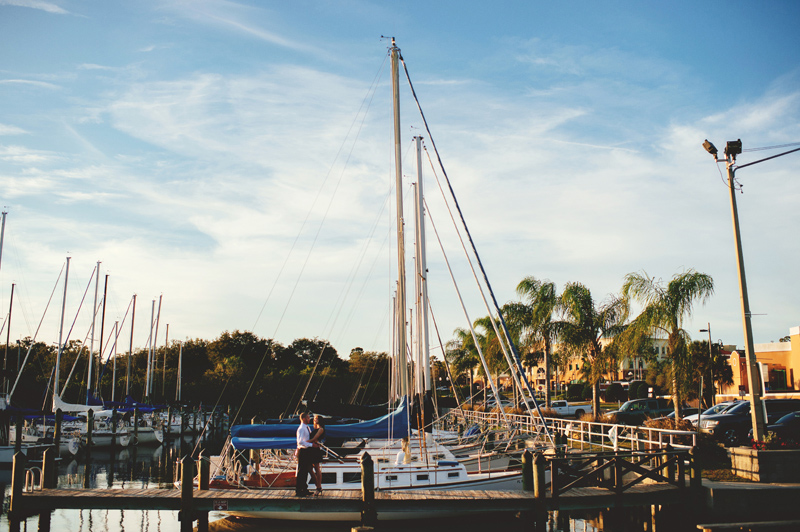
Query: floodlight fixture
{"points": [[710, 148], [733, 148]]}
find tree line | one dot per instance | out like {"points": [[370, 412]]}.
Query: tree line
{"points": [[273, 378]]}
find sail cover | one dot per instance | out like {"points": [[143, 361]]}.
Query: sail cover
{"points": [[393, 425]]}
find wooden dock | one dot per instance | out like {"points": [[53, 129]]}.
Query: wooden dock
{"points": [[578, 482]]}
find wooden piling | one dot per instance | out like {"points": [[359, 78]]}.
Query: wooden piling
{"points": [[89, 427], [113, 430], [17, 483], [18, 439], [57, 434], [670, 465], [187, 486], [49, 470], [368, 514], [205, 480], [527, 470], [135, 440], [539, 492]]}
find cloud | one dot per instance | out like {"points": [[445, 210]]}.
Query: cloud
{"points": [[36, 4], [5, 129], [42, 84]]}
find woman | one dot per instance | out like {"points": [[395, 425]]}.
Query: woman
{"points": [[317, 438]]}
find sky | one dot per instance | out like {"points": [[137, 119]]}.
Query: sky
{"points": [[236, 159]]}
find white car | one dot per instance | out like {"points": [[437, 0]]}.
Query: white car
{"points": [[718, 408]]}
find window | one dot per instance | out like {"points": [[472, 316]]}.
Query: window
{"points": [[351, 477], [391, 478], [453, 474], [329, 478], [422, 477]]}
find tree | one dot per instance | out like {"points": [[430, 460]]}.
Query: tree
{"points": [[582, 326], [539, 327], [463, 355], [665, 308], [703, 364]]}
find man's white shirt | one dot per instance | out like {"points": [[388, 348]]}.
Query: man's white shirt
{"points": [[304, 436]]}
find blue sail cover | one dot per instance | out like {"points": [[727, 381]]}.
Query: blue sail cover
{"points": [[394, 425]]}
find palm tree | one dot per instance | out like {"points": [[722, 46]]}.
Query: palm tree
{"points": [[539, 325], [463, 355], [582, 327], [665, 308]]}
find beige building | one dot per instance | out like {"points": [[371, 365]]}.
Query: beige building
{"points": [[779, 363]]}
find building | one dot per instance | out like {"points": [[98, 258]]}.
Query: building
{"points": [[779, 363]]}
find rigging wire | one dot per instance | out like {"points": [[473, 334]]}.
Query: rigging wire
{"points": [[779, 146]]}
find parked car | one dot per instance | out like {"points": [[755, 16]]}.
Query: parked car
{"points": [[786, 428], [685, 413], [562, 408], [716, 409], [733, 426], [634, 412]]}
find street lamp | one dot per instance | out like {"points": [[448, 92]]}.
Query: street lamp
{"points": [[732, 149], [710, 364]]}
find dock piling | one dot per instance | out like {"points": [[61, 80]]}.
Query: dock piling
{"points": [[368, 514], [187, 485], [527, 470], [89, 427]]}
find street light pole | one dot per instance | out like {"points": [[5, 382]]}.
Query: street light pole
{"points": [[732, 149], [710, 363]]}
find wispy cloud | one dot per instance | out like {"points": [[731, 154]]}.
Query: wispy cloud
{"points": [[36, 4], [5, 129], [42, 84]]}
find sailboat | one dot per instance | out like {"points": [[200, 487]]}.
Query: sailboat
{"points": [[403, 459]]}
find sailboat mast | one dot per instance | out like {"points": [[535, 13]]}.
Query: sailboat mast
{"points": [[130, 353], [401, 253], [8, 339], [154, 358], [114, 364], [102, 329], [56, 391], [423, 339], [180, 372], [164, 371], [94, 319], [2, 235]]}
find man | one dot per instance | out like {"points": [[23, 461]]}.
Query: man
{"points": [[304, 446]]}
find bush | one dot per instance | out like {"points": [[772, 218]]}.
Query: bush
{"points": [[638, 390], [586, 395], [615, 392], [575, 392]]}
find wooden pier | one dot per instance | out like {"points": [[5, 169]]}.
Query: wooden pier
{"points": [[580, 482]]}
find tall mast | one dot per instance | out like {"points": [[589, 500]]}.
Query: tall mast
{"points": [[401, 253], [114, 364], [94, 319], [154, 358], [423, 341], [149, 351], [130, 353], [102, 329], [180, 372], [2, 235], [56, 391], [8, 339], [164, 371]]}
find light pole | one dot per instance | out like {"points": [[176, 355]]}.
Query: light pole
{"points": [[732, 149], [710, 364]]}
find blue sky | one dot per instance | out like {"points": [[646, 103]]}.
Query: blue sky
{"points": [[236, 156]]}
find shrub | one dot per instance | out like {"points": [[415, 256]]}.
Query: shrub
{"points": [[615, 392], [575, 392], [638, 390], [586, 394]]}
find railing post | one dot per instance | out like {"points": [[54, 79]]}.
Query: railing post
{"points": [[670, 465], [187, 485], [527, 470], [682, 470], [17, 483], [617, 472], [695, 469], [368, 514]]}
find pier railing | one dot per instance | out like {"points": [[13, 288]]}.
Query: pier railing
{"points": [[584, 435]]}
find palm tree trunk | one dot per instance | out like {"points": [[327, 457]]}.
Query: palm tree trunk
{"points": [[676, 394], [547, 377], [596, 398]]}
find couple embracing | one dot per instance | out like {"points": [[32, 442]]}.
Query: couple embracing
{"points": [[309, 454]]}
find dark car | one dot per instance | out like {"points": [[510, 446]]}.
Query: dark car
{"points": [[732, 426], [786, 428], [634, 412]]}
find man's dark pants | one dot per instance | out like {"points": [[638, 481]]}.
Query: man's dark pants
{"points": [[303, 470]]}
